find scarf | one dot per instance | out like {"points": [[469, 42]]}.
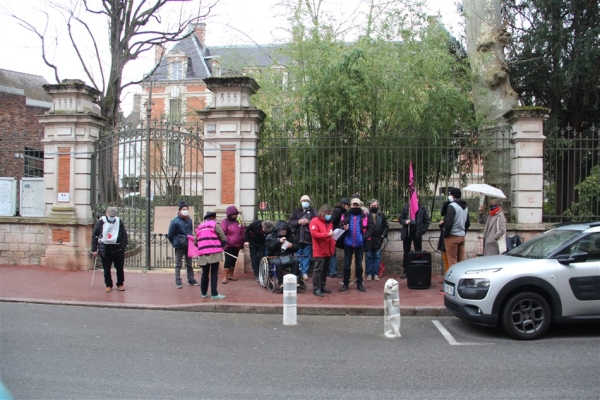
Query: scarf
{"points": [[496, 211]]}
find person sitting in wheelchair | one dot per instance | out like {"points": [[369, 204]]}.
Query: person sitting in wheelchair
{"points": [[279, 244]]}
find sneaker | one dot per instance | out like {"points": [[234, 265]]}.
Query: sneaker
{"points": [[193, 282], [369, 278], [344, 288], [204, 296], [375, 278], [304, 277], [178, 284], [218, 297], [120, 288], [325, 290], [108, 289]]}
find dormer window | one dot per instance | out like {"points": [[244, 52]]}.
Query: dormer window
{"points": [[177, 66], [177, 70]]}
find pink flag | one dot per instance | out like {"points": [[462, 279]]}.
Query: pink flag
{"points": [[413, 203], [192, 249]]}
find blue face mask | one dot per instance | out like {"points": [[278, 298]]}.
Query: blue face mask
{"points": [[305, 204], [111, 219], [327, 217]]}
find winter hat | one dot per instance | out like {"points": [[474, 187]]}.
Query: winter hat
{"points": [[344, 200], [304, 198], [456, 193], [112, 211], [210, 214], [231, 210], [267, 226], [182, 204]]}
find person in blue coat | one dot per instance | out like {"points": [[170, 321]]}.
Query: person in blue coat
{"points": [[181, 226]]}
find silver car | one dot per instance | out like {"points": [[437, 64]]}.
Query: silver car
{"points": [[552, 278]]}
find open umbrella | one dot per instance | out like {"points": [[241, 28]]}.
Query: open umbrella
{"points": [[485, 189]]}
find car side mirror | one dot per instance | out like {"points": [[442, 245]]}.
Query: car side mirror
{"points": [[578, 256]]}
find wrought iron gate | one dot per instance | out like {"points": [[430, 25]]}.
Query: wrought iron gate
{"points": [[168, 158]]}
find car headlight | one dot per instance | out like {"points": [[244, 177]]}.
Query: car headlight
{"points": [[476, 283], [482, 271], [473, 288]]}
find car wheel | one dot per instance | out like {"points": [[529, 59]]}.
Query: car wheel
{"points": [[526, 316]]}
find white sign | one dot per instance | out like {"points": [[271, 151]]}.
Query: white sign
{"points": [[8, 197], [163, 215], [63, 197], [32, 197]]}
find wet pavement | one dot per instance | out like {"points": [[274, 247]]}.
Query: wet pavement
{"points": [[156, 290]]}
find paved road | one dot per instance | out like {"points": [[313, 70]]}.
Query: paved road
{"points": [[83, 353]]}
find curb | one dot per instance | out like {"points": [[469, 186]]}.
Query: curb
{"points": [[249, 308]]}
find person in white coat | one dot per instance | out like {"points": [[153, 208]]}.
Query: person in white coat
{"points": [[495, 228]]}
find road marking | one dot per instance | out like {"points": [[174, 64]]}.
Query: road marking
{"points": [[450, 338]]}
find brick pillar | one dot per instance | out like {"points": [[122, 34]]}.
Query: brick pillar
{"points": [[70, 129], [527, 163], [231, 127]]}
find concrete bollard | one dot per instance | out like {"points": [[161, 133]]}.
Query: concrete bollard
{"points": [[289, 299], [391, 304]]}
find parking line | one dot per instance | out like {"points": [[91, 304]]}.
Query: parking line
{"points": [[450, 338]]}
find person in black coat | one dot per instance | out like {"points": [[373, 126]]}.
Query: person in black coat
{"points": [[336, 215], [373, 246], [280, 243], [109, 249], [413, 230], [254, 239], [299, 223]]}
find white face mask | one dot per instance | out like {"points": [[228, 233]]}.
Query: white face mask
{"points": [[185, 213], [450, 198]]}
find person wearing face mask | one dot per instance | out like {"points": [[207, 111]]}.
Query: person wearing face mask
{"points": [[299, 222], [373, 246], [359, 228], [234, 230], [109, 240], [495, 227], [456, 225], [323, 246], [413, 230], [180, 227], [336, 216]]}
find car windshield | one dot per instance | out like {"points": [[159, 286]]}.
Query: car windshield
{"points": [[545, 244]]}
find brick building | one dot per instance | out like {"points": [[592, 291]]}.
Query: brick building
{"points": [[22, 99]]}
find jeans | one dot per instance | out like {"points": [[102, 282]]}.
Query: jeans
{"points": [[257, 252], [358, 253], [320, 272], [304, 254], [214, 278], [373, 260], [333, 265], [179, 255], [119, 259]]}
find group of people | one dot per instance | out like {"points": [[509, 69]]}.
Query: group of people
{"points": [[308, 235]]}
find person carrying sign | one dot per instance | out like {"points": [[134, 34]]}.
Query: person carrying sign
{"points": [[109, 240]]}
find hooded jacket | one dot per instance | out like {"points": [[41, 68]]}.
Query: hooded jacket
{"points": [[456, 221], [272, 242], [322, 244], [358, 231]]}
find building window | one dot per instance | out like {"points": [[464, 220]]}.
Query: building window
{"points": [[34, 163], [173, 154], [177, 70], [175, 110]]}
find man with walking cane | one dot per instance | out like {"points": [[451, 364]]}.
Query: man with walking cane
{"points": [[109, 240]]}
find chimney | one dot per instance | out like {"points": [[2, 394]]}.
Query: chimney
{"points": [[200, 32], [159, 52], [137, 100]]}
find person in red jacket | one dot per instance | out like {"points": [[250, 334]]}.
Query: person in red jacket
{"points": [[323, 247]]}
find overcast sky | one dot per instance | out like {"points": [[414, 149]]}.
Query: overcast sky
{"points": [[254, 20]]}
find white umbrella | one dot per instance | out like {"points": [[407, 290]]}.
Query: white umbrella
{"points": [[485, 189]]}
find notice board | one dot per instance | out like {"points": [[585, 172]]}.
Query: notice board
{"points": [[8, 197], [163, 215], [32, 197]]}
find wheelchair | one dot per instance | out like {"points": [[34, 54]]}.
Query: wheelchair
{"points": [[267, 272]]}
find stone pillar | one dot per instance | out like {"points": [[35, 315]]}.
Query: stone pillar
{"points": [[71, 127], [527, 163], [231, 127]]}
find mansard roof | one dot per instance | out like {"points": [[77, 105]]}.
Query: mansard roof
{"points": [[30, 84]]}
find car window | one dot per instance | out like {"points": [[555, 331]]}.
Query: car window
{"points": [[589, 243], [544, 245]]}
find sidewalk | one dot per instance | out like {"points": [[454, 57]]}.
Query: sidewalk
{"points": [[156, 290]]}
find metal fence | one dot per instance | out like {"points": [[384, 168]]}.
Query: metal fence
{"points": [[329, 168]]}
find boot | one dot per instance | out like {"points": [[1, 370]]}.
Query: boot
{"points": [[225, 273], [231, 278]]}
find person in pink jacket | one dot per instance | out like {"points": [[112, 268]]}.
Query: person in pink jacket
{"points": [[234, 231], [323, 247]]}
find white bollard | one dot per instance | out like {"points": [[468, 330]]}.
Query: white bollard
{"points": [[289, 299], [391, 304]]}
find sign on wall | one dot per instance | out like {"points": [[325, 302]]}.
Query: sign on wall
{"points": [[32, 197], [8, 197]]}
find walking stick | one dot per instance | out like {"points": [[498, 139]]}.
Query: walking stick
{"points": [[94, 273]]}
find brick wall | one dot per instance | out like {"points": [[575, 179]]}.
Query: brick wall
{"points": [[227, 174]]}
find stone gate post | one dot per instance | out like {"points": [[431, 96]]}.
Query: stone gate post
{"points": [[71, 127], [231, 127], [527, 163]]}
